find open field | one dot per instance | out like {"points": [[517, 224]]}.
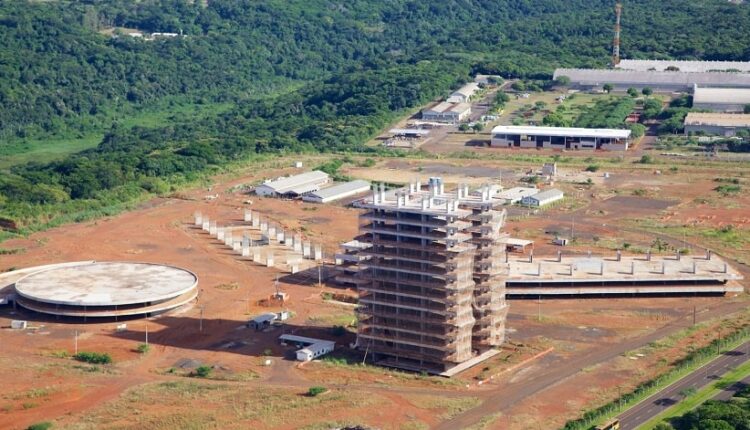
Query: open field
{"points": [[580, 338]]}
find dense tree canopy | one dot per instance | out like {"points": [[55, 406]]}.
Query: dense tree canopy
{"points": [[298, 75]]}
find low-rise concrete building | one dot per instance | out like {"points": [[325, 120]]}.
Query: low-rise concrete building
{"points": [[310, 348], [560, 138], [293, 186], [338, 192], [720, 124], [684, 66], [445, 112], [721, 99], [543, 198], [621, 80], [516, 194], [464, 94]]}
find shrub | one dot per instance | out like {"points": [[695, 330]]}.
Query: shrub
{"points": [[728, 189], [338, 330], [316, 390], [93, 357], [646, 159], [143, 348], [592, 168], [40, 426], [203, 371]]}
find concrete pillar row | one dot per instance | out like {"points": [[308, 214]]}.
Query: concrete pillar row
{"points": [[248, 216], [198, 219]]}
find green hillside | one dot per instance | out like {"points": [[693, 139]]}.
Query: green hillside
{"points": [[247, 77]]}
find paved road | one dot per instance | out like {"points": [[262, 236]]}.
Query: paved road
{"points": [[659, 402], [509, 394]]}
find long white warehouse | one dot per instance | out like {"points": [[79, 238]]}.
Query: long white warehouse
{"points": [[506, 136], [684, 66], [338, 192], [721, 99], [293, 186]]}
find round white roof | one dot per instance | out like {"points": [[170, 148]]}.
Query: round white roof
{"points": [[106, 284]]}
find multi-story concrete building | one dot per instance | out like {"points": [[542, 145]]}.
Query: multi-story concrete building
{"points": [[433, 290]]}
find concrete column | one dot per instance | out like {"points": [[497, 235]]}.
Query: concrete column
{"points": [[726, 268], [256, 220], [248, 215], [318, 252], [601, 268], [531, 256], [506, 256], [245, 251], [297, 244], [695, 267], [269, 259], [570, 269], [263, 227], [559, 256], [271, 233], [256, 254], [539, 269], [663, 268], [632, 267], [677, 255], [206, 224], [708, 254], [237, 246], [648, 255], [212, 228], [280, 236], [619, 255], [306, 249], [198, 219], [228, 238], [220, 233]]}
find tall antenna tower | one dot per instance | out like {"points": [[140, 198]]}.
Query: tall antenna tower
{"points": [[616, 42]]}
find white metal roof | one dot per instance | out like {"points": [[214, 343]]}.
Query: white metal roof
{"points": [[718, 119], [302, 339], [444, 107], [518, 242], [418, 131], [721, 95], [633, 77], [289, 183], [342, 188], [467, 90], [562, 131], [547, 194], [684, 66]]}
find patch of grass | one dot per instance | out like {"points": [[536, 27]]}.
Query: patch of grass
{"points": [[11, 251], [728, 190], [45, 425], [93, 357], [485, 423], [228, 287], [203, 372], [316, 390], [143, 348]]}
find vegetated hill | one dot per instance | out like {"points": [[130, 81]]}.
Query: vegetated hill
{"points": [[302, 75]]}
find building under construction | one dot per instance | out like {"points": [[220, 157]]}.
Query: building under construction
{"points": [[432, 288]]}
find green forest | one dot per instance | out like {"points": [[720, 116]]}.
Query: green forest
{"points": [[246, 78]]}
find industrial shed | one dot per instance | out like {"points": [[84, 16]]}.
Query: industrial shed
{"points": [[684, 66], [543, 198], [721, 124], [658, 81], [338, 192], [721, 99], [516, 194], [445, 112], [560, 138], [463, 94], [293, 186]]}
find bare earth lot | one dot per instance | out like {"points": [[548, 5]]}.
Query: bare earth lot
{"points": [[576, 350]]}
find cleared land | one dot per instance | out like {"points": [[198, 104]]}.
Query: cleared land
{"points": [[547, 340]]}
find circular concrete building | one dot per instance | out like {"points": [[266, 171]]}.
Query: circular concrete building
{"points": [[106, 289]]}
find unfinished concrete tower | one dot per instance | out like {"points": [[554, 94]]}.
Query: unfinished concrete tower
{"points": [[420, 308]]}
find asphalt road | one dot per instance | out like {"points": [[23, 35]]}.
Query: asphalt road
{"points": [[509, 394], [709, 373]]}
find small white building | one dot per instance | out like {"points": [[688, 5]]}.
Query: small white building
{"points": [[720, 124], [311, 348], [293, 186], [464, 94], [338, 192], [721, 99], [445, 112], [516, 194], [262, 321], [543, 198]]}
